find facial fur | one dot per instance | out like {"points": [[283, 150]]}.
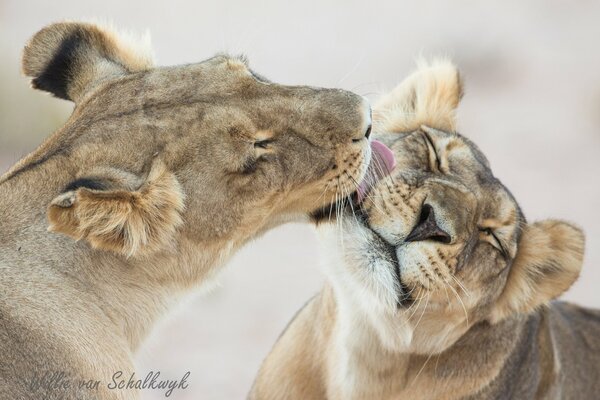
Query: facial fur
{"points": [[241, 153], [158, 176], [437, 286], [440, 244]]}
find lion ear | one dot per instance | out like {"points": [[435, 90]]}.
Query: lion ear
{"points": [[548, 261], [68, 59], [429, 96], [108, 213]]}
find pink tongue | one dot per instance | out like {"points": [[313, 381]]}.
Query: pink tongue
{"points": [[384, 155], [382, 163]]}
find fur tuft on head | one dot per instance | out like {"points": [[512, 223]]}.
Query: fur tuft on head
{"points": [[429, 96]]}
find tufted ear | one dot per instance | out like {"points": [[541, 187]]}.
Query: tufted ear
{"points": [[548, 262], [69, 59], [429, 96], [116, 211]]}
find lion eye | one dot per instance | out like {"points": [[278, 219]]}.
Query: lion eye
{"points": [[487, 231], [433, 151], [496, 242], [263, 144]]}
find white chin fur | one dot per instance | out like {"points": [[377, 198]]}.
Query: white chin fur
{"points": [[366, 291]]}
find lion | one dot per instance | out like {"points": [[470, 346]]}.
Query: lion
{"points": [[156, 179], [437, 286]]}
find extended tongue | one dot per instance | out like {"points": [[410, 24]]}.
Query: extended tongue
{"points": [[382, 163], [385, 156]]}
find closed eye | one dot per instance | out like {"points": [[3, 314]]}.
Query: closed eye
{"points": [[263, 144], [435, 166], [495, 241]]}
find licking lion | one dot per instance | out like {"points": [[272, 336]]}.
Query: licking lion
{"points": [[157, 178]]}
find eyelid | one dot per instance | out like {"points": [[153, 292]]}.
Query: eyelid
{"points": [[264, 143], [490, 232], [432, 148]]}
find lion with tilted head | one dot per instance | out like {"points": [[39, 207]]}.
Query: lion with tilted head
{"points": [[438, 287]]}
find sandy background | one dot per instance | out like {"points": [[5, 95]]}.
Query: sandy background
{"points": [[532, 104]]}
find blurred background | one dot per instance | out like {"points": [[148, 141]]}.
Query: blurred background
{"points": [[532, 104]]}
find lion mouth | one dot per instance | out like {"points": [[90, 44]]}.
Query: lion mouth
{"points": [[381, 165], [380, 247]]}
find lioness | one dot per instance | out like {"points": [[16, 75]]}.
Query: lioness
{"points": [[438, 288], [158, 176]]}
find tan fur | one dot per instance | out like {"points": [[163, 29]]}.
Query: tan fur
{"points": [[429, 96], [157, 178], [144, 220], [548, 262], [107, 53], [468, 315]]}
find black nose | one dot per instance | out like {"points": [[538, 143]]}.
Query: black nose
{"points": [[427, 228], [368, 133]]}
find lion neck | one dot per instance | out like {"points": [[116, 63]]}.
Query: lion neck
{"points": [[362, 365], [132, 294]]}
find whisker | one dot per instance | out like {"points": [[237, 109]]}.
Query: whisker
{"points": [[459, 284], [421, 370], [424, 308], [418, 300], [352, 70], [446, 291], [461, 303]]}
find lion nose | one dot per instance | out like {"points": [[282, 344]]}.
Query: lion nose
{"points": [[427, 228]]}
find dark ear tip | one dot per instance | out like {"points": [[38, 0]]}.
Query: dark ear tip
{"points": [[49, 57], [40, 49], [62, 58], [57, 88]]}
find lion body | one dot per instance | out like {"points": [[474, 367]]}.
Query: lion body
{"points": [[550, 354]]}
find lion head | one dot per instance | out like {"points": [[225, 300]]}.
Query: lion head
{"points": [[206, 152], [437, 243]]}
